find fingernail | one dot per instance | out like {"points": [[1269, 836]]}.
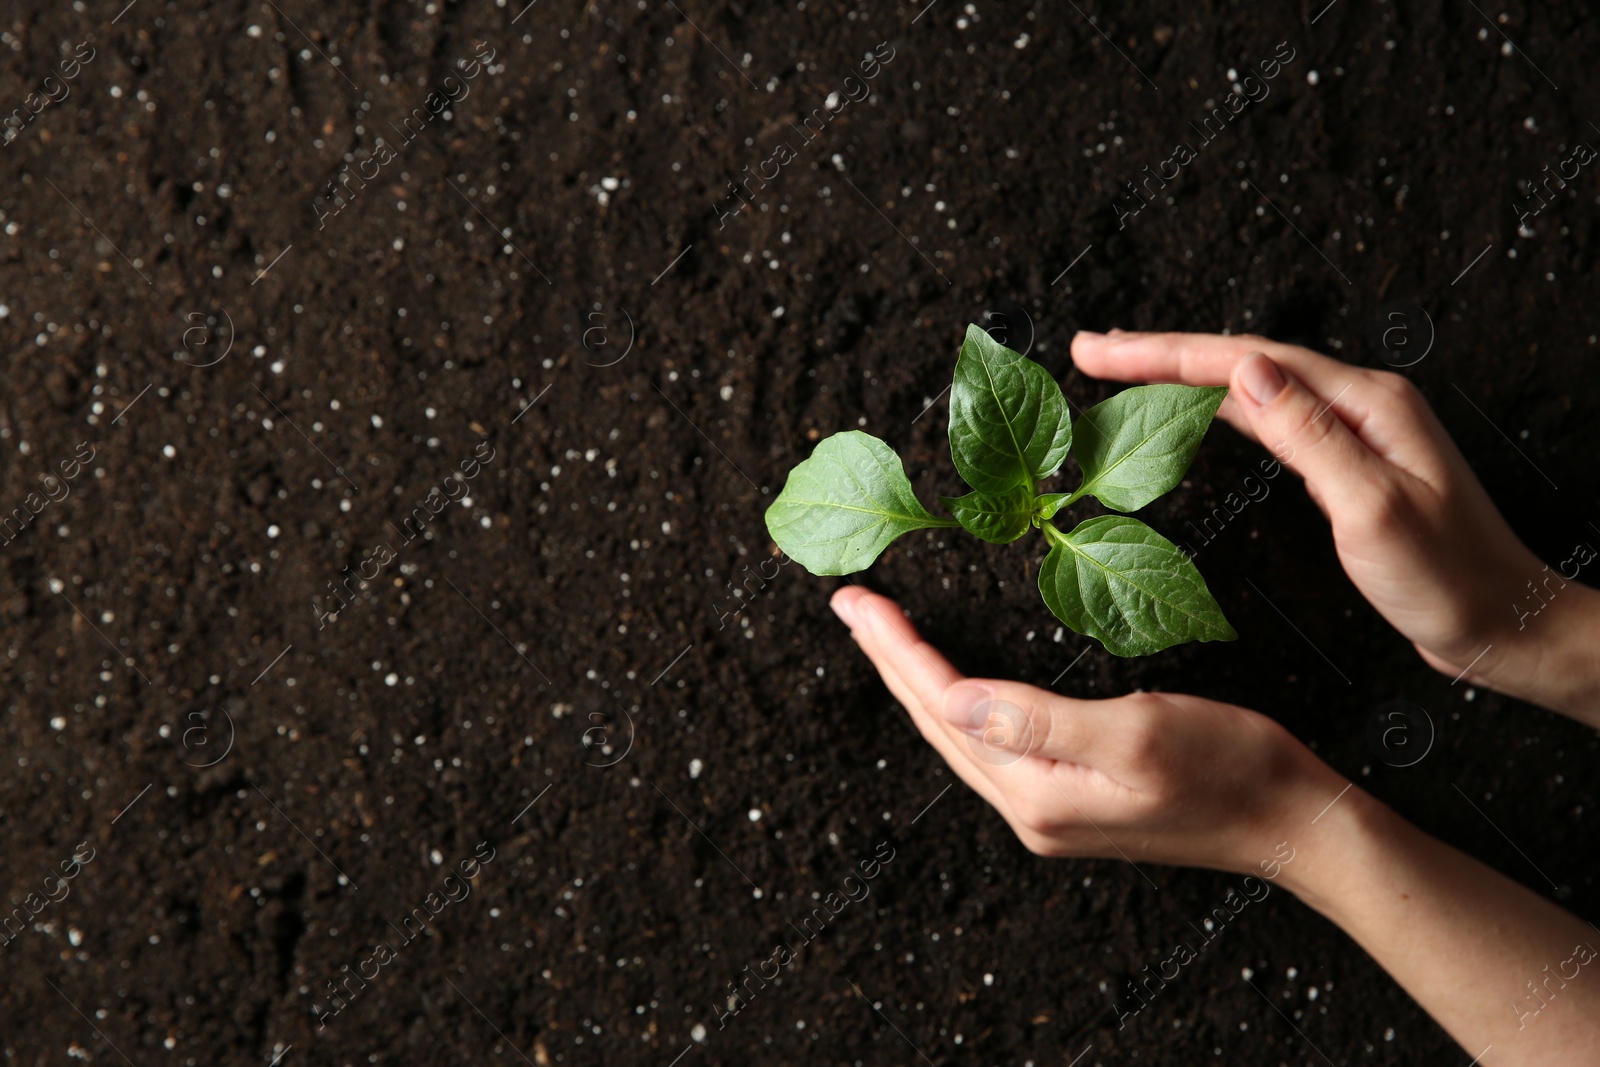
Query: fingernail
{"points": [[845, 608], [1260, 378], [1089, 335], [961, 700]]}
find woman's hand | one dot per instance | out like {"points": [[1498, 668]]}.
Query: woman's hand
{"points": [[1176, 779], [1159, 777], [1413, 526]]}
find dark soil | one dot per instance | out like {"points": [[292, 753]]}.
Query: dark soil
{"points": [[165, 607]]}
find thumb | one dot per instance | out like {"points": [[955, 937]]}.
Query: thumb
{"points": [[1305, 433], [1003, 721]]}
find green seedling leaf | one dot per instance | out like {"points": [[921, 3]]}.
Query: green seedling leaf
{"points": [[1046, 505], [1136, 445], [844, 505], [1008, 419], [1117, 580], [999, 518]]}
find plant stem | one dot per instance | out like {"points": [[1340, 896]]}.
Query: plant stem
{"points": [[943, 523], [1052, 534]]}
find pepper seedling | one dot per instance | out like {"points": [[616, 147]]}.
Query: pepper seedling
{"points": [[1111, 577]]}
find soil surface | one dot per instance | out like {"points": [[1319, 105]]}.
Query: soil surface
{"points": [[532, 267]]}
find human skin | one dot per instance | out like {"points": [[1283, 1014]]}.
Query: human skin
{"points": [[1177, 779]]}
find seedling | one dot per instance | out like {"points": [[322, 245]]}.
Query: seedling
{"points": [[1111, 577]]}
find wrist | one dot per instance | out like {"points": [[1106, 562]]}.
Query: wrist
{"points": [[1337, 835], [1271, 844], [1563, 649]]}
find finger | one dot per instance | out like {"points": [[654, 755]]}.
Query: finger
{"points": [[1299, 427], [1198, 358], [1210, 359], [932, 731], [926, 723], [1381, 408], [1006, 717], [1024, 720], [916, 673], [920, 677], [1229, 410], [879, 622], [1053, 752]]}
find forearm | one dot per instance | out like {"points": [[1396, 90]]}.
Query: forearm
{"points": [[1499, 967]]}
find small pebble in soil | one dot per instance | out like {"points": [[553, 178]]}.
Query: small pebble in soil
{"points": [[695, 767], [755, 814]]}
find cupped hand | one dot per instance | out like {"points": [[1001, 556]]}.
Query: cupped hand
{"points": [[1158, 777], [1413, 526]]}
